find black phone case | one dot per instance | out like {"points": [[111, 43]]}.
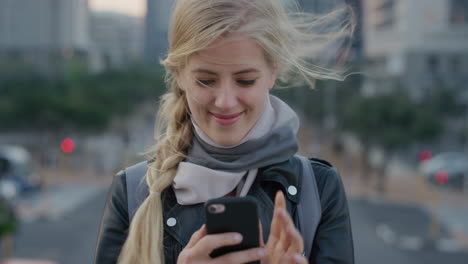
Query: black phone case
{"points": [[240, 216]]}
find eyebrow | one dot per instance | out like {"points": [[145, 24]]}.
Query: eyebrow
{"points": [[200, 70]]}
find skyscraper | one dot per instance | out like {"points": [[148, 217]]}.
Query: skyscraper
{"points": [[416, 44], [156, 29], [117, 40], [326, 6], [37, 30]]}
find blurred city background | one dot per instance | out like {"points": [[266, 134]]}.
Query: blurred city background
{"points": [[80, 82]]}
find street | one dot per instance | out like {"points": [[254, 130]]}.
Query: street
{"points": [[71, 238], [370, 248]]}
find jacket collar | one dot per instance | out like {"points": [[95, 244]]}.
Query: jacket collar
{"points": [[182, 221]]}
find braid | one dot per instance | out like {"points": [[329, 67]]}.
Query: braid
{"points": [[144, 244]]}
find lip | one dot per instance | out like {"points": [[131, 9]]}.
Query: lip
{"points": [[227, 120]]}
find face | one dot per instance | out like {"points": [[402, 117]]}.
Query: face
{"points": [[226, 86]]}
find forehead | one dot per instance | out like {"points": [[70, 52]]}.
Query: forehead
{"points": [[230, 53]]}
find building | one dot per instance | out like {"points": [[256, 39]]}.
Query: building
{"points": [[156, 29], [320, 6], [117, 40], [43, 32], [416, 44], [326, 6], [158, 16]]}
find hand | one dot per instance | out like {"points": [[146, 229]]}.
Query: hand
{"points": [[285, 243], [201, 245]]}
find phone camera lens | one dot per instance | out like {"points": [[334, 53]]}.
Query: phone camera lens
{"points": [[212, 209], [216, 208]]}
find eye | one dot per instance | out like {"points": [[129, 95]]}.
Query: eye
{"points": [[205, 82], [246, 82]]}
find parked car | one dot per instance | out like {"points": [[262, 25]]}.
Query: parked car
{"points": [[17, 177], [447, 169], [16, 171]]}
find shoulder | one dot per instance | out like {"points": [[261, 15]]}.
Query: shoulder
{"points": [[118, 190], [119, 184], [120, 176], [114, 222], [329, 183], [324, 172]]}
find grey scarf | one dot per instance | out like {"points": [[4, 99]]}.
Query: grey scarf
{"points": [[211, 171]]}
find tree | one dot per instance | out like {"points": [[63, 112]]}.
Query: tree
{"points": [[391, 121], [78, 100]]}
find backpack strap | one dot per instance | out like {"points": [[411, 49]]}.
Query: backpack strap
{"points": [[309, 208], [136, 187]]}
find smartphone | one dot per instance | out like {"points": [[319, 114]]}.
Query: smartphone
{"points": [[233, 214]]}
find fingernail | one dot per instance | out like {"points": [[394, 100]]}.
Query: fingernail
{"points": [[237, 237], [261, 252], [297, 258]]}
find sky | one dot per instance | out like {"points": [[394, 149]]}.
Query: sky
{"points": [[130, 7]]}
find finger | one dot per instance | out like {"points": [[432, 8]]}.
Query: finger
{"points": [[243, 256], [285, 238], [297, 242], [260, 234], [210, 242], [282, 247], [276, 226], [291, 239], [275, 223], [199, 234], [292, 258], [292, 242], [280, 202], [278, 249], [299, 259], [284, 217]]}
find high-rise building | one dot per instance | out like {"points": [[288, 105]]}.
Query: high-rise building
{"points": [[326, 6], [416, 44], [320, 6], [117, 40], [40, 31], [158, 16], [156, 29]]}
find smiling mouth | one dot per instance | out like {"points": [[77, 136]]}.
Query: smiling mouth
{"points": [[227, 120]]}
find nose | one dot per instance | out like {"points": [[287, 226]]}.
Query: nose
{"points": [[226, 97]]}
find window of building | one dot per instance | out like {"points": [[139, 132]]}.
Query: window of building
{"points": [[385, 13], [433, 63], [459, 12], [455, 64]]}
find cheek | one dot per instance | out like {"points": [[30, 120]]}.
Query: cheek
{"points": [[256, 99], [197, 101]]}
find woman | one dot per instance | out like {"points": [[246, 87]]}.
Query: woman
{"points": [[222, 134]]}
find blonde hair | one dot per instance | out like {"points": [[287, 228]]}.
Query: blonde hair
{"points": [[289, 40]]}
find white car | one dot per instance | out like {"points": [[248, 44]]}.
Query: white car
{"points": [[453, 166], [17, 174]]}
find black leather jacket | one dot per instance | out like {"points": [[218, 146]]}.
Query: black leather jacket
{"points": [[333, 241]]}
